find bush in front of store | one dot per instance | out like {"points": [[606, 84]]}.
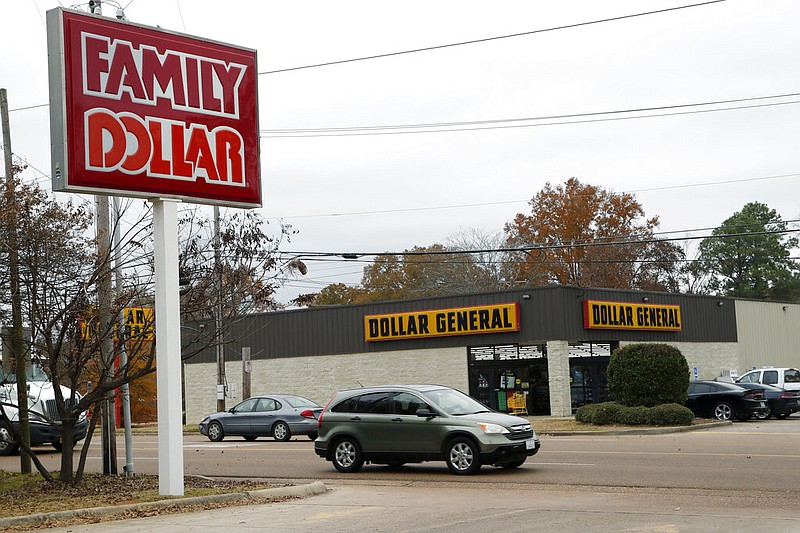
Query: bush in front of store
{"points": [[648, 375], [603, 414]]}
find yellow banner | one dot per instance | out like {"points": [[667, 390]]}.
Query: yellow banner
{"points": [[622, 315], [442, 322], [140, 322]]}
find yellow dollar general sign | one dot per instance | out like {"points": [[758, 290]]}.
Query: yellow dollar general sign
{"points": [[622, 315], [442, 322], [139, 322]]}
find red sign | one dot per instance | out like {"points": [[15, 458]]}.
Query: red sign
{"points": [[138, 111]]}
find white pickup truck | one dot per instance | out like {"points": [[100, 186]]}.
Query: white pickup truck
{"points": [[785, 378], [45, 424]]}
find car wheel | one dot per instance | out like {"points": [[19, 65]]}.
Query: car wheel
{"points": [[513, 464], [782, 416], [58, 445], [215, 432], [281, 432], [7, 446], [764, 415], [723, 411], [462, 456], [250, 438], [347, 456]]}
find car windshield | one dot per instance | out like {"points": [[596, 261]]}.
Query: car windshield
{"points": [[299, 401], [455, 402]]}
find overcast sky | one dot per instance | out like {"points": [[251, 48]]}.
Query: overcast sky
{"points": [[390, 191]]}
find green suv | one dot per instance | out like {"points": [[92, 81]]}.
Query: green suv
{"points": [[400, 424]]}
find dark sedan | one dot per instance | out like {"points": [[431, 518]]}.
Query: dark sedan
{"points": [[724, 401], [780, 403], [277, 415]]}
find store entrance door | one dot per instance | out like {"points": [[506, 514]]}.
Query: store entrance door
{"points": [[588, 364], [510, 378]]}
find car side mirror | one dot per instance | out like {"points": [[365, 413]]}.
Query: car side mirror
{"points": [[425, 412]]}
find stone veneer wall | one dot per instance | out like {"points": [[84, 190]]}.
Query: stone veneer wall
{"points": [[558, 371], [319, 377], [710, 358]]}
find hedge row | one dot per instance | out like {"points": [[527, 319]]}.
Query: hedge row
{"points": [[601, 414]]}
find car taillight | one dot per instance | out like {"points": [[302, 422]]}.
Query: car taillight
{"points": [[319, 418], [754, 395], [789, 395], [308, 413]]}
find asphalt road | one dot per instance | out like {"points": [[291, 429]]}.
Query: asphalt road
{"points": [[738, 477], [758, 455]]}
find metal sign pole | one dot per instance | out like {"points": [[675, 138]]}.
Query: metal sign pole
{"points": [[168, 348]]}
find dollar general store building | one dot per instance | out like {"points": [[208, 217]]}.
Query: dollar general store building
{"points": [[547, 346]]}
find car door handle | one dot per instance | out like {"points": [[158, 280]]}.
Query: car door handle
{"points": [[398, 419], [356, 418]]}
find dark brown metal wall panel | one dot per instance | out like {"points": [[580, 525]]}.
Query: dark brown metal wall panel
{"points": [[546, 313]]}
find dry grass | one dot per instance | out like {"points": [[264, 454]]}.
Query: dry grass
{"points": [[31, 494]]}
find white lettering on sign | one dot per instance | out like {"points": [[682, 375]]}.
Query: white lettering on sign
{"points": [[189, 82], [163, 148]]}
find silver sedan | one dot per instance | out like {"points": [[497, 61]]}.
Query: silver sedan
{"points": [[277, 415]]}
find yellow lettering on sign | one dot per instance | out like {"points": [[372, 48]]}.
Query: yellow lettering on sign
{"points": [[139, 322], [633, 316], [442, 322]]}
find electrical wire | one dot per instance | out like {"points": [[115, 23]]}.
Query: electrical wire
{"points": [[504, 202], [526, 119], [517, 126], [488, 39]]}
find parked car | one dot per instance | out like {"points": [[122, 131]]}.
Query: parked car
{"points": [[277, 415], [724, 401], [780, 403], [785, 378], [400, 424]]}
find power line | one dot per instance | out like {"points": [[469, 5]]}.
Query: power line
{"points": [[488, 39], [517, 126], [524, 119], [536, 247], [503, 202]]}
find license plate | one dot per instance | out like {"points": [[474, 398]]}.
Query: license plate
{"points": [[530, 444], [763, 404]]}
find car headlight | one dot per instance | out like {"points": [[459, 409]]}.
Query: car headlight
{"points": [[492, 428], [203, 421]]}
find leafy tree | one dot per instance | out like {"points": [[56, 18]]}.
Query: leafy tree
{"points": [[749, 256], [60, 269], [333, 294], [421, 272], [250, 270], [584, 235], [648, 375]]}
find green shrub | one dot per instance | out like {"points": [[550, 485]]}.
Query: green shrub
{"points": [[606, 413], [603, 414], [635, 416], [585, 413], [648, 375], [670, 414]]}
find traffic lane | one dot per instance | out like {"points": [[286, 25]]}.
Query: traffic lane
{"points": [[762, 453], [466, 508]]}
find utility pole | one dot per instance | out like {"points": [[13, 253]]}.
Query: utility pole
{"points": [[123, 354], [218, 315], [105, 328], [16, 296]]}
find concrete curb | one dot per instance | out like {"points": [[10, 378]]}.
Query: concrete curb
{"points": [[643, 431], [254, 496]]}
